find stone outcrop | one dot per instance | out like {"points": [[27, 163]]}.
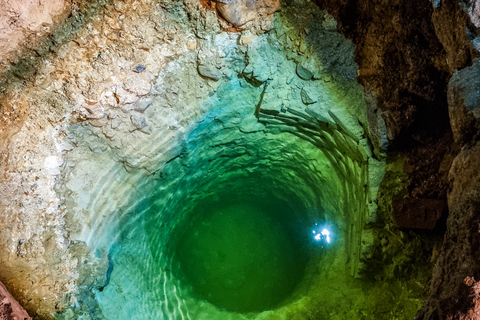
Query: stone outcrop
{"points": [[464, 103], [239, 12], [451, 296]]}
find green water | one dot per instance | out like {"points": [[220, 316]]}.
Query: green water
{"points": [[239, 257]]}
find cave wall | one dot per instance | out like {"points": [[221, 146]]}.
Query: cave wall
{"points": [[26, 21], [104, 110], [420, 61], [417, 64]]}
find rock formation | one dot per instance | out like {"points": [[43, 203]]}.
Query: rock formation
{"points": [[121, 118], [442, 48]]}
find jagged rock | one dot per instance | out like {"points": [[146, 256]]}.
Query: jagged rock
{"points": [[209, 72], [450, 22], [191, 44], [464, 103], [138, 122], [245, 39], [240, 12], [20, 19], [304, 73], [140, 68], [473, 10], [307, 96], [391, 49], [330, 24], [459, 256], [142, 105], [99, 122]]}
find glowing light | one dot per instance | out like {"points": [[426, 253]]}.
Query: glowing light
{"points": [[326, 233]]}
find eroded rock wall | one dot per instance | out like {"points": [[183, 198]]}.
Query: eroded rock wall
{"points": [[22, 21], [408, 53]]}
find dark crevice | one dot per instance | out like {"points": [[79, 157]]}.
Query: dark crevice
{"points": [[397, 51]]}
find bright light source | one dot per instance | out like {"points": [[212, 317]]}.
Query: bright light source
{"points": [[326, 233], [323, 235]]}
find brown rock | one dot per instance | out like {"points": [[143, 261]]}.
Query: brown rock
{"points": [[417, 213], [459, 258], [398, 55], [450, 20]]}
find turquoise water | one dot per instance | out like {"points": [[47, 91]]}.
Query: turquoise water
{"points": [[239, 257]]}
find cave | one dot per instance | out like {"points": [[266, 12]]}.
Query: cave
{"points": [[240, 159]]}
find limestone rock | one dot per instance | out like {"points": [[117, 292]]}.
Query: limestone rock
{"points": [[191, 44], [308, 96], [142, 105], [245, 39], [209, 72], [140, 123], [329, 23], [140, 68], [304, 73], [473, 10], [459, 256], [95, 71], [20, 19], [239, 12]]}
